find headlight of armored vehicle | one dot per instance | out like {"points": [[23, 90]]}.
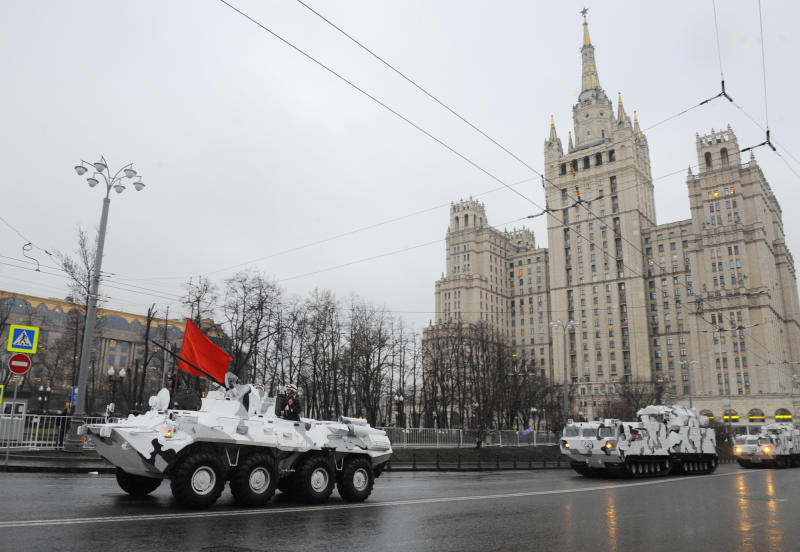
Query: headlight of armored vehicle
{"points": [[609, 445], [766, 450], [564, 443], [168, 431], [737, 450]]}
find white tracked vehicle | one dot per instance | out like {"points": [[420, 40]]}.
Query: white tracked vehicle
{"points": [[776, 446], [237, 437], [665, 439]]}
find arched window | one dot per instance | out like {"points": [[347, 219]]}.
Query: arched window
{"points": [[458, 220], [707, 413], [730, 415], [755, 415], [466, 221], [783, 415], [723, 153], [708, 159]]}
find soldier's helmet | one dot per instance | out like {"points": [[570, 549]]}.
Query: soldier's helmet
{"points": [[291, 387]]}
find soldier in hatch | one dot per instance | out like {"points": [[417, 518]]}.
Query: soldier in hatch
{"points": [[290, 405]]}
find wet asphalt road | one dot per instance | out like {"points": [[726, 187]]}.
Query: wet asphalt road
{"points": [[732, 510]]}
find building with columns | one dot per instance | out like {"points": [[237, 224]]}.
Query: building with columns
{"points": [[706, 308]]}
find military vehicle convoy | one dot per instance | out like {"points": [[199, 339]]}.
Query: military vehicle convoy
{"points": [[237, 437], [776, 446], [664, 440]]}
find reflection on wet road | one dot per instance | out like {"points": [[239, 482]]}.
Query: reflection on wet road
{"points": [[732, 510]]}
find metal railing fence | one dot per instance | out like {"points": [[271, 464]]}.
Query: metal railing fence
{"points": [[38, 431], [465, 438]]}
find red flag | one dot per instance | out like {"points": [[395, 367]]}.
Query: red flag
{"points": [[200, 351]]}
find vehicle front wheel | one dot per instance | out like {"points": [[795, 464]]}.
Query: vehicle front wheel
{"points": [[253, 482], [136, 485], [356, 480], [313, 480], [198, 480]]}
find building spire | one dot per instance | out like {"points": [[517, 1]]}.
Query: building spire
{"points": [[586, 40], [621, 117], [553, 136], [570, 141], [590, 80], [636, 129]]}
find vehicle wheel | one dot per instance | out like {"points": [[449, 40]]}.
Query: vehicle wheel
{"points": [[198, 480], [253, 482], [356, 480], [136, 485], [313, 480]]}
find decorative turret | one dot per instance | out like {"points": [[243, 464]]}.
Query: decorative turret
{"points": [[467, 214], [552, 146], [718, 150], [621, 117], [636, 130]]}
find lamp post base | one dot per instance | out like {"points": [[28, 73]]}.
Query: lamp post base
{"points": [[73, 442]]}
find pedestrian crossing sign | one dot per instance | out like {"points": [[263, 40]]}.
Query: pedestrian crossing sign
{"points": [[23, 339]]}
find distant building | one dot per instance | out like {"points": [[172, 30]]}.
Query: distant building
{"points": [[706, 306], [119, 344]]}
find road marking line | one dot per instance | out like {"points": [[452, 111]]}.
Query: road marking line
{"points": [[303, 509]]}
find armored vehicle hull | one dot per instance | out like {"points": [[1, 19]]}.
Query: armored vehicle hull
{"points": [[665, 439], [236, 437], [776, 446]]}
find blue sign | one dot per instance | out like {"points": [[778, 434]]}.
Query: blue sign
{"points": [[74, 395], [23, 339]]}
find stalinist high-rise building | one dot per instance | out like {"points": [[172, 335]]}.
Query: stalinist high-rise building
{"points": [[706, 307]]}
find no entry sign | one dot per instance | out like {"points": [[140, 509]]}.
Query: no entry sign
{"points": [[19, 363]]}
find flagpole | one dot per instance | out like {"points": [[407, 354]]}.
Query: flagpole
{"points": [[189, 363]]}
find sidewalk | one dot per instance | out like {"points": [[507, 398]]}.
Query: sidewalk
{"points": [[54, 461]]}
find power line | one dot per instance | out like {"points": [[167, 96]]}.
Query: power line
{"points": [[376, 100]]}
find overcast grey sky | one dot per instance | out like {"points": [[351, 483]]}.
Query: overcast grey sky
{"points": [[249, 150]]}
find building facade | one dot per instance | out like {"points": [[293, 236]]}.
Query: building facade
{"points": [[119, 344], [705, 308]]}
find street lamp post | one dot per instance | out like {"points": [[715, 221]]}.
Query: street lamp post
{"points": [[44, 396], [114, 378], [687, 364], [73, 442], [398, 399], [564, 327]]}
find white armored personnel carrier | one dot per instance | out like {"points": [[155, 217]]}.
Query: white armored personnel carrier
{"points": [[665, 439], [776, 445], [236, 436]]}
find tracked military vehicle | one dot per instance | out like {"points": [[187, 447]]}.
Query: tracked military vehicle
{"points": [[776, 446], [665, 439], [237, 437]]}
